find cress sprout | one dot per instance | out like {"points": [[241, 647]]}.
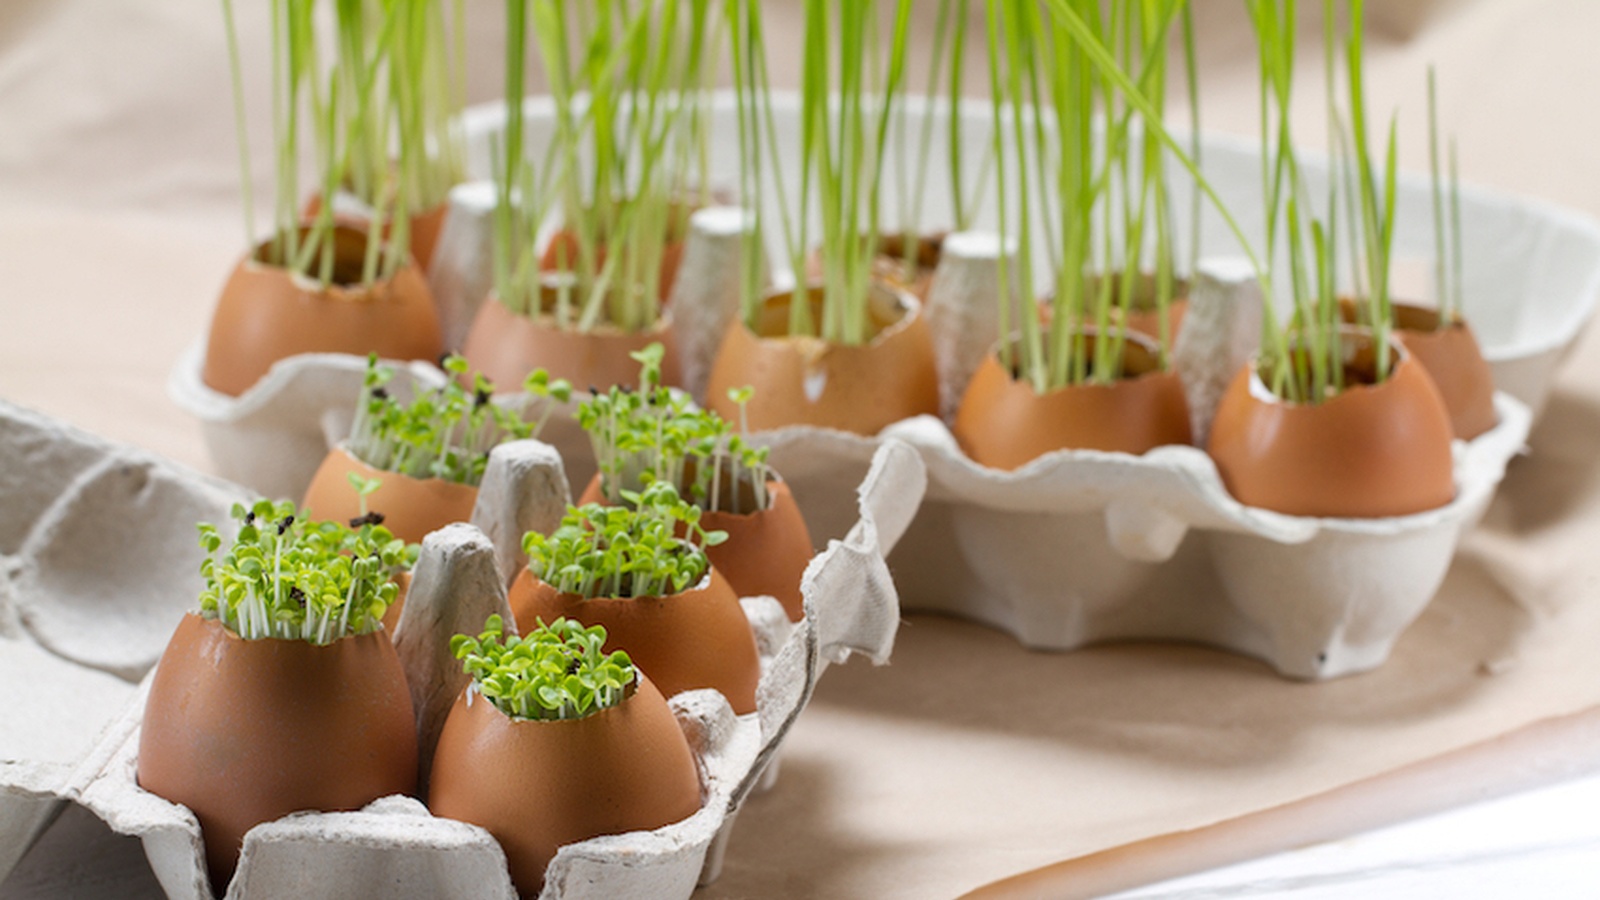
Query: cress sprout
{"points": [[445, 432], [625, 551], [289, 578], [654, 434], [557, 671]]}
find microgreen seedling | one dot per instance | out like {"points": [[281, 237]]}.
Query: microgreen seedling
{"points": [[446, 432], [365, 487], [625, 551], [289, 578], [556, 671], [654, 434]]}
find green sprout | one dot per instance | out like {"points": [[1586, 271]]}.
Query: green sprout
{"points": [[1308, 361], [654, 434], [365, 487], [1098, 191], [557, 671], [848, 97], [289, 578], [1446, 226], [446, 432], [628, 158], [626, 551], [380, 116]]}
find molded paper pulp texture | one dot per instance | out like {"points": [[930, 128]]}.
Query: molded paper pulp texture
{"points": [[97, 543]]}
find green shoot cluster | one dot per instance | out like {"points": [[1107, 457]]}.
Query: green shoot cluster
{"points": [[1097, 189], [654, 434], [380, 116], [625, 551], [851, 85], [1306, 361], [628, 157], [288, 578], [446, 432], [558, 671]]}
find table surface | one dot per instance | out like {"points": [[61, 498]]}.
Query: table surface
{"points": [[118, 218]]}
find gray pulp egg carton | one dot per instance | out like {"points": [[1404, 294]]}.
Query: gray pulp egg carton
{"points": [[100, 562]]}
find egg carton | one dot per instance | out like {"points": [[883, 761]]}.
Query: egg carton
{"points": [[100, 564]]}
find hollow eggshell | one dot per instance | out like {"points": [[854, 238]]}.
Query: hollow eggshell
{"points": [[505, 346], [808, 381], [1373, 450], [1003, 423], [698, 638], [536, 785], [244, 732], [266, 314], [411, 507]]}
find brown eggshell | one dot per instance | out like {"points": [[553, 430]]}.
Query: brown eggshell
{"points": [[244, 732], [1453, 359], [807, 381], [424, 227], [562, 253], [1373, 450], [411, 507], [537, 785], [766, 552], [699, 638], [266, 314], [1455, 362], [1004, 423], [505, 346]]}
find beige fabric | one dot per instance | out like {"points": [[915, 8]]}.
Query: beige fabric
{"points": [[968, 758]]}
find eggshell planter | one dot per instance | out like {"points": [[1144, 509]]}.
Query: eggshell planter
{"points": [[266, 313], [696, 638], [411, 507], [93, 605], [1454, 360], [505, 346], [766, 552], [244, 732], [1004, 423], [808, 381], [539, 785], [1370, 451], [423, 229]]}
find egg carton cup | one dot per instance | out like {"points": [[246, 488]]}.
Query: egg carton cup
{"points": [[100, 562]]}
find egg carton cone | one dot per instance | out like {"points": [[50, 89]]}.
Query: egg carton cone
{"points": [[101, 560]]}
